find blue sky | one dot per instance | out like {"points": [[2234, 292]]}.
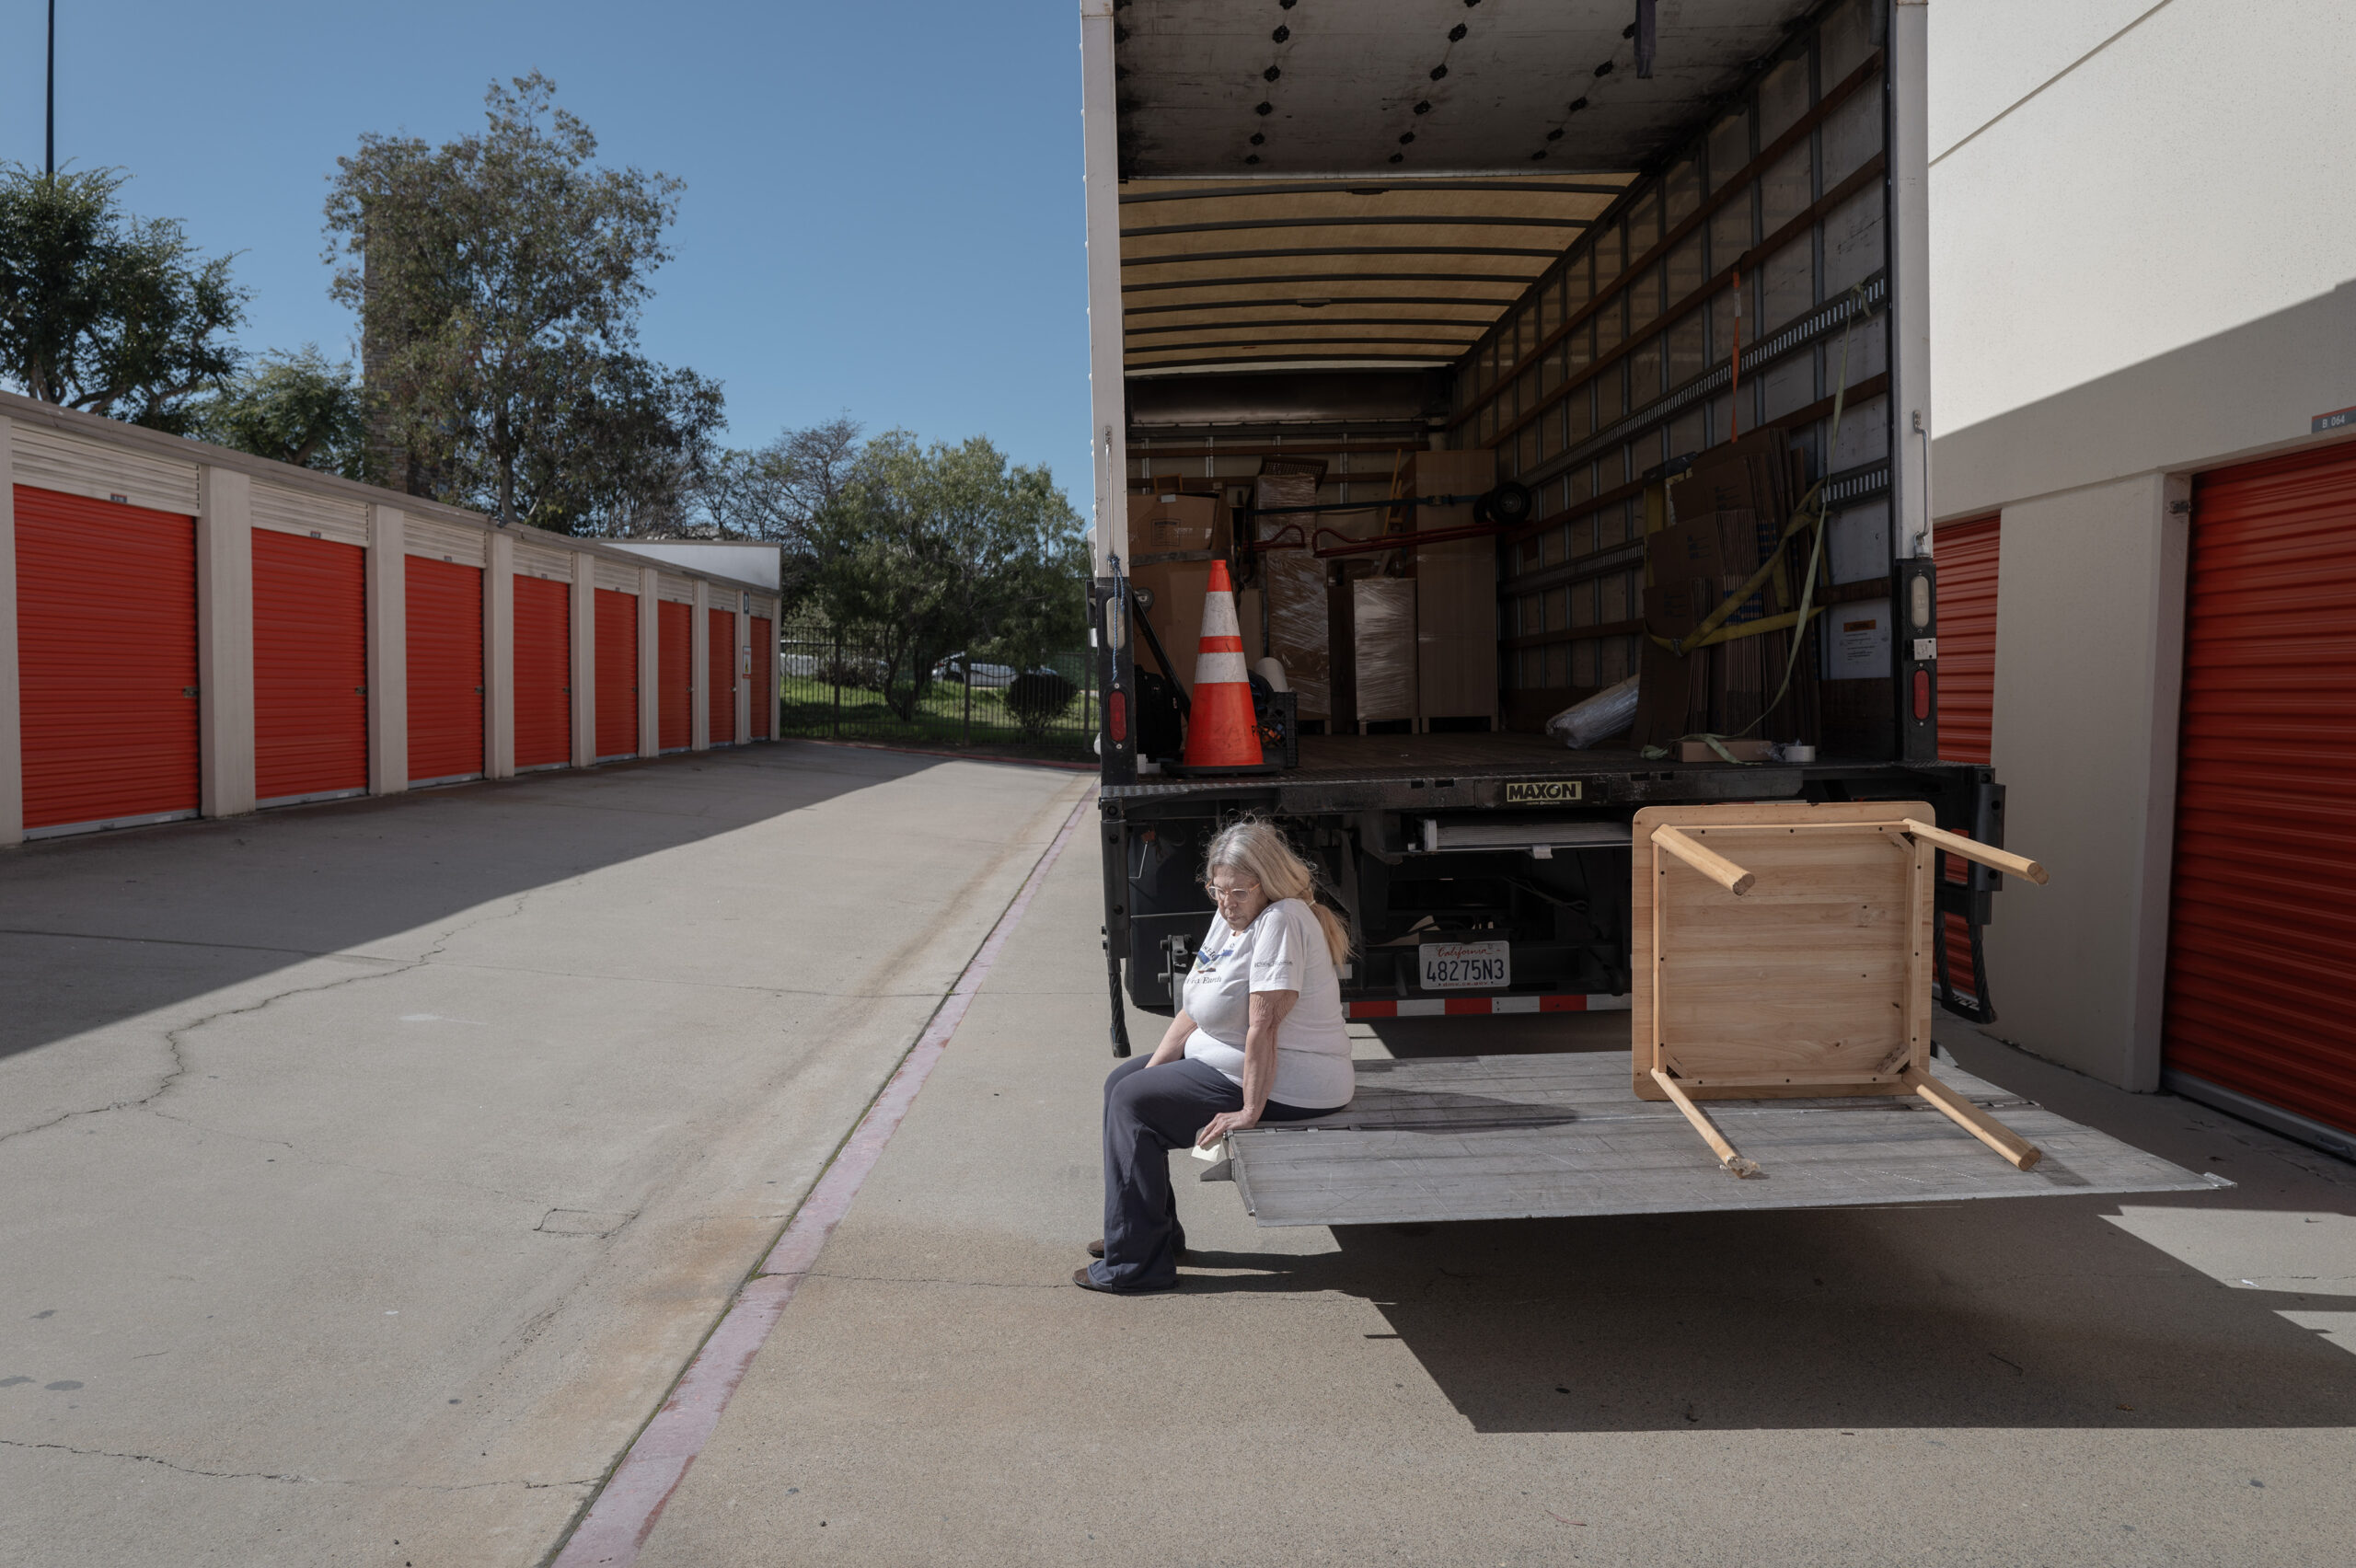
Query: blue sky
{"points": [[883, 212]]}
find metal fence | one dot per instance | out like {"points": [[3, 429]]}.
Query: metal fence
{"points": [[833, 687]]}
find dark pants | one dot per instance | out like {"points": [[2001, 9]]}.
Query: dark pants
{"points": [[1147, 1112]]}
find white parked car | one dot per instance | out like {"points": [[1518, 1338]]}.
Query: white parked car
{"points": [[956, 668]]}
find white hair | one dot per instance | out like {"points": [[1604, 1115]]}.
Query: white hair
{"points": [[1258, 850]]}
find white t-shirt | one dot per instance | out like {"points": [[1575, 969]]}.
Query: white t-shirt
{"points": [[1283, 950]]}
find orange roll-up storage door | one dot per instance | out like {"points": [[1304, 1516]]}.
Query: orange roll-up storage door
{"points": [[444, 670], [106, 647], [1967, 558], [720, 677], [763, 678], [675, 640], [617, 674], [310, 666], [2262, 920], [543, 672]]}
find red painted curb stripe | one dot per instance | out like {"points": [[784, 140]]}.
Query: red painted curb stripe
{"points": [[625, 1511]]}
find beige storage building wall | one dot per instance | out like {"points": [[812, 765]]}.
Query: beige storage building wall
{"points": [[2138, 273], [229, 494]]}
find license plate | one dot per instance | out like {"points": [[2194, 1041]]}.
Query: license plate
{"points": [[1467, 966]]}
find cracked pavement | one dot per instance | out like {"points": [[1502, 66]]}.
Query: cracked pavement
{"points": [[285, 1102]]}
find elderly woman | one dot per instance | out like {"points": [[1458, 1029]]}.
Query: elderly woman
{"points": [[1259, 1037]]}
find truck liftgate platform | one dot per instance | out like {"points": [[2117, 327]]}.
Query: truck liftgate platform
{"points": [[1558, 1135]]}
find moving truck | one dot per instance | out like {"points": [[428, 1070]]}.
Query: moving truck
{"points": [[1338, 254], [1507, 352]]}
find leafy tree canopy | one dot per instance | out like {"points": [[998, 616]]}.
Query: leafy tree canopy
{"points": [[499, 279], [934, 549], [293, 409], [103, 311]]}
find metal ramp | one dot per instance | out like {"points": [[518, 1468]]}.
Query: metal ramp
{"points": [[1559, 1134]]}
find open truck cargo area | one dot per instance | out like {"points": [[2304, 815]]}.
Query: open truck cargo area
{"points": [[1504, 357]]}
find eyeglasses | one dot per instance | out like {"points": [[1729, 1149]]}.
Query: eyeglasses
{"points": [[1237, 890]]}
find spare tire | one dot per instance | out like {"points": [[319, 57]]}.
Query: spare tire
{"points": [[1509, 505]]}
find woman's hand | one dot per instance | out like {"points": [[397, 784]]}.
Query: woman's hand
{"points": [[1226, 1122], [1267, 1013]]}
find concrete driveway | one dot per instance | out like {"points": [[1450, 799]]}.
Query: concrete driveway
{"points": [[368, 1172], [2051, 1381]]}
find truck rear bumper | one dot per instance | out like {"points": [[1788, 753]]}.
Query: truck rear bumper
{"points": [[1480, 1007]]}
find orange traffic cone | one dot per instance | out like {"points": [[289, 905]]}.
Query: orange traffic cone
{"points": [[1222, 735]]}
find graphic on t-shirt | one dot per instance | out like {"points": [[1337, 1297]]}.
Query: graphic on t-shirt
{"points": [[1282, 951]]}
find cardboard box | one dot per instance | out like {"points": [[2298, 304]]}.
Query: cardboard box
{"points": [[1456, 597], [1179, 589], [1383, 648], [1170, 526], [1471, 471], [1744, 751], [1300, 636], [1282, 490]]}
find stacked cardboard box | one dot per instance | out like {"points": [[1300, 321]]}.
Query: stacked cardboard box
{"points": [[1456, 594], [1172, 539], [1294, 581], [1382, 647], [1729, 512]]}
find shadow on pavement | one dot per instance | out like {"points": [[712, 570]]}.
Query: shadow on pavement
{"points": [[101, 928], [1966, 1315], [2033, 1313]]}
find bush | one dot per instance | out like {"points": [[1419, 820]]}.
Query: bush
{"points": [[1037, 699], [852, 672]]}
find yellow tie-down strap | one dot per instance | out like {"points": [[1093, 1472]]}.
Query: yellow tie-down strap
{"points": [[1681, 646]]}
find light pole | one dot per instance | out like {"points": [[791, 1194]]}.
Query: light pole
{"points": [[50, 138]]}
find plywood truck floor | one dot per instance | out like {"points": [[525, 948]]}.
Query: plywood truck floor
{"points": [[1554, 1136]]}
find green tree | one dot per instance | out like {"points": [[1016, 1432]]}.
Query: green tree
{"points": [[776, 492], [497, 279], [295, 409], [103, 311], [933, 549], [772, 493]]}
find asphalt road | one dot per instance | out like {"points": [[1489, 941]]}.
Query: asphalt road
{"points": [[367, 1175], [368, 1172]]}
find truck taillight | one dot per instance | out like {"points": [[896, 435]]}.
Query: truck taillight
{"points": [[1117, 716], [1922, 691]]}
